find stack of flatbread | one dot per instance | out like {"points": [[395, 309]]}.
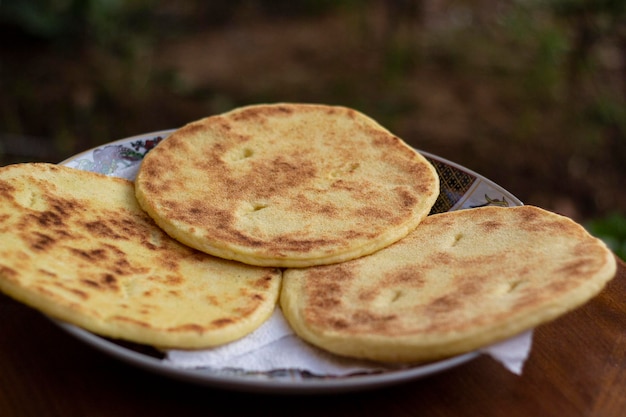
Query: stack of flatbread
{"points": [[315, 208]]}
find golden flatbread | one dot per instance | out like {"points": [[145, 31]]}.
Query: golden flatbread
{"points": [[77, 246], [286, 185], [461, 280]]}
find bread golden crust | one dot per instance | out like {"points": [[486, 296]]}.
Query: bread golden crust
{"points": [[77, 246], [286, 185], [460, 281]]}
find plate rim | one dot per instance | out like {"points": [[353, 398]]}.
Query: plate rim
{"points": [[263, 384]]}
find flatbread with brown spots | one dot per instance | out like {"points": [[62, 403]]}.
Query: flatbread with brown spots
{"points": [[286, 185], [77, 246], [460, 281]]}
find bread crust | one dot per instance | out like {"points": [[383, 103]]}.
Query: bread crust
{"points": [[460, 281], [287, 185], [77, 246]]}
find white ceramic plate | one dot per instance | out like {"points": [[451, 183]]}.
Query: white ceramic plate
{"points": [[461, 188]]}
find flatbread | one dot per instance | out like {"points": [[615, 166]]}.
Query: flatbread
{"points": [[461, 280], [77, 246], [287, 185]]}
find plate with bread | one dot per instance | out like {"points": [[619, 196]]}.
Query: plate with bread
{"points": [[191, 239]]}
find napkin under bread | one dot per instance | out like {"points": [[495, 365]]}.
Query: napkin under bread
{"points": [[274, 346]]}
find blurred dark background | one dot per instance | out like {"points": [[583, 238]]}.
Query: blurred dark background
{"points": [[529, 93]]}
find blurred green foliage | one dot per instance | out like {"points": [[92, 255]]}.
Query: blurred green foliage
{"points": [[545, 46], [612, 230], [68, 22]]}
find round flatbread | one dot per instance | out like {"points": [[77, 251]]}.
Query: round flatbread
{"points": [[288, 185], [77, 246], [460, 281]]}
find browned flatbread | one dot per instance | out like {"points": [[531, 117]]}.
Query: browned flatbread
{"points": [[77, 246], [461, 280], [286, 185]]}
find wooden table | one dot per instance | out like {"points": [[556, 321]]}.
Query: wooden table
{"points": [[577, 368]]}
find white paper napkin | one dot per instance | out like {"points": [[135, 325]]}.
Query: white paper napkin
{"points": [[274, 346]]}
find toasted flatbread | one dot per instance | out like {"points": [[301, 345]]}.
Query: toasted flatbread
{"points": [[287, 185], [461, 280], [77, 246]]}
